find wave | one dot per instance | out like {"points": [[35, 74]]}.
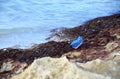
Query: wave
{"points": [[21, 30]]}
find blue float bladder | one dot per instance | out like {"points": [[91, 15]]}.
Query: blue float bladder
{"points": [[77, 42]]}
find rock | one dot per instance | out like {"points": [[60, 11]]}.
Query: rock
{"points": [[109, 68], [57, 68], [10, 68], [6, 66], [112, 45]]}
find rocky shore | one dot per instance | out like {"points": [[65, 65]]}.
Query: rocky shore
{"points": [[97, 58]]}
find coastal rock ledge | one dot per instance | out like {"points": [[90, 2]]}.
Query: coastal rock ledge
{"points": [[97, 58], [57, 68]]}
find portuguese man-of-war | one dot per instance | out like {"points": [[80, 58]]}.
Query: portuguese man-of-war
{"points": [[77, 42]]}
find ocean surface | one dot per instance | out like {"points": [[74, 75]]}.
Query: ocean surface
{"points": [[27, 22]]}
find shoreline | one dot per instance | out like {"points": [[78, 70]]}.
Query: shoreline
{"points": [[97, 34]]}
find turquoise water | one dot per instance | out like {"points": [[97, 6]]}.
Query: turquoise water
{"points": [[26, 22]]}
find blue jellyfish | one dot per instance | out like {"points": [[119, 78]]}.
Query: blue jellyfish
{"points": [[77, 42]]}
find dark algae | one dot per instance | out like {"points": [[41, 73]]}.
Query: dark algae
{"points": [[52, 49]]}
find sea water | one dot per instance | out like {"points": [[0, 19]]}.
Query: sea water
{"points": [[27, 22]]}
